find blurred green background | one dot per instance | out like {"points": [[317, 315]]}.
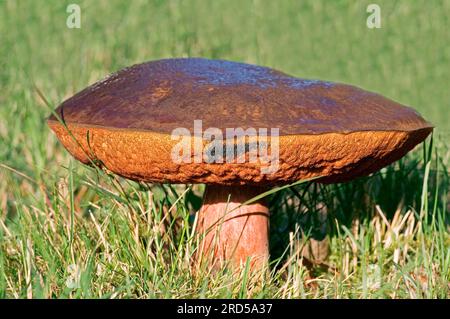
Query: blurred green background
{"points": [[408, 59]]}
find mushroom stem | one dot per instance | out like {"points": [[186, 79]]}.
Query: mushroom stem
{"points": [[231, 232]]}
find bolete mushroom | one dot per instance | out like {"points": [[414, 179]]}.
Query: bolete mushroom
{"points": [[337, 132]]}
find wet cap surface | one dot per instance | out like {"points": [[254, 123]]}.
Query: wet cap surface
{"points": [[162, 95]]}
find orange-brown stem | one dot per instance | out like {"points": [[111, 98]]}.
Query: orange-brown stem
{"points": [[230, 232]]}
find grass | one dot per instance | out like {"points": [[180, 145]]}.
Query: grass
{"points": [[68, 231]]}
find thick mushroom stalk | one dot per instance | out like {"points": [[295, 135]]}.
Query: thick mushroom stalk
{"points": [[232, 233]]}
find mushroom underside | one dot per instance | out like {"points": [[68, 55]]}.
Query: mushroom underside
{"points": [[146, 156]]}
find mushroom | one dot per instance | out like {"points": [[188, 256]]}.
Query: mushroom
{"points": [[330, 131]]}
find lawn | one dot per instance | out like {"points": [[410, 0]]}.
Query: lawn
{"points": [[69, 231]]}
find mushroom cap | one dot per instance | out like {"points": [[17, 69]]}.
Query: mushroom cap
{"points": [[326, 129]]}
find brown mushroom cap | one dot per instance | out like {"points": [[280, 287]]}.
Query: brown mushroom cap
{"points": [[326, 129]]}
